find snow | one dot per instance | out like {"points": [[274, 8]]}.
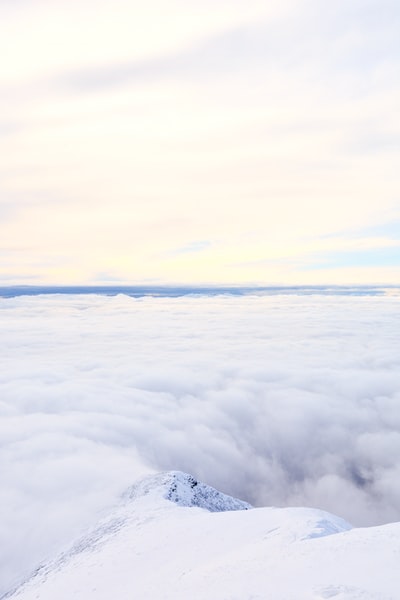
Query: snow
{"points": [[172, 537], [184, 490]]}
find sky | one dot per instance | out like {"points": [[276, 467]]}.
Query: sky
{"points": [[199, 142], [277, 400]]}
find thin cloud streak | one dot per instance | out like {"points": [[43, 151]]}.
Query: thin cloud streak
{"points": [[348, 46]]}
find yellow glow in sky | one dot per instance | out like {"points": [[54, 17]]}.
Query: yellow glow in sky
{"points": [[228, 142]]}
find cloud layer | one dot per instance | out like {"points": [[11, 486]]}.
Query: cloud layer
{"points": [[278, 400]]}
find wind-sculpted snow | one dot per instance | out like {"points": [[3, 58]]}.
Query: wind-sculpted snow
{"points": [[172, 538]]}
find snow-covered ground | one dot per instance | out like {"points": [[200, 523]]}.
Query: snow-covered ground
{"points": [[172, 537]]}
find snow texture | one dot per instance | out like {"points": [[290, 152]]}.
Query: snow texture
{"points": [[185, 490], [172, 537]]}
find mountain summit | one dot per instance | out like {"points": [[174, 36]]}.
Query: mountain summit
{"points": [[184, 490], [172, 537]]}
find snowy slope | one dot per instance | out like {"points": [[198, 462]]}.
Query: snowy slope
{"points": [[175, 538]]}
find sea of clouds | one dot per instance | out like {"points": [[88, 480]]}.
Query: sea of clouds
{"points": [[279, 400]]}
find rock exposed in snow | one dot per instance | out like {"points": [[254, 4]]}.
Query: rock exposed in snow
{"points": [[172, 537], [184, 490]]}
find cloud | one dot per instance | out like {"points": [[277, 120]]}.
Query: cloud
{"points": [[328, 43], [281, 126], [192, 247], [283, 400]]}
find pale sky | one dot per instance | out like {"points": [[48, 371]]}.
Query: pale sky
{"points": [[199, 142]]}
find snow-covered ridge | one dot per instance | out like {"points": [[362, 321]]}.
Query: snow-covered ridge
{"points": [[184, 490], [172, 537], [149, 494]]}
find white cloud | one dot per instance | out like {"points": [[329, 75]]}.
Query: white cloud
{"points": [[278, 400]]}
